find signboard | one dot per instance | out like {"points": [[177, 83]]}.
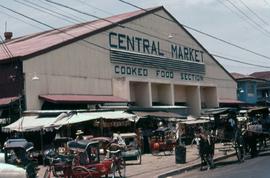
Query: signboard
{"points": [[140, 57]]}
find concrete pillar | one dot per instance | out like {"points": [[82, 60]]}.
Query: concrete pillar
{"points": [[121, 88], [194, 100], [211, 99]]}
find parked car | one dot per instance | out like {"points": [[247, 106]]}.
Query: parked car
{"points": [[17, 161]]}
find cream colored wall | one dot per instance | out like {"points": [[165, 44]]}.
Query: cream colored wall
{"points": [[162, 93], [78, 68], [209, 97], [180, 93], [82, 68]]}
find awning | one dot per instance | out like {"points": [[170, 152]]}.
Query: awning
{"points": [[81, 99], [78, 117], [30, 123], [159, 114], [215, 111], [8, 100]]}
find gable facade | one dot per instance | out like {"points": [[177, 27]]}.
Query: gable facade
{"points": [[147, 61]]}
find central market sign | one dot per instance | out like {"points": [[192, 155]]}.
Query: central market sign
{"points": [[153, 47]]}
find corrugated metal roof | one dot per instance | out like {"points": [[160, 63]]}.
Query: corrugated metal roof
{"points": [[80, 98], [242, 77], [38, 42], [262, 75]]}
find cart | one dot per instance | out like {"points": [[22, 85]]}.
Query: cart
{"points": [[133, 150], [85, 162], [162, 140], [257, 129], [226, 130]]}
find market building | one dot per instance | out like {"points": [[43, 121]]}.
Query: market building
{"points": [[136, 57]]}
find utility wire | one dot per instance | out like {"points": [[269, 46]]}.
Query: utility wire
{"points": [[253, 21], [61, 10], [203, 33], [254, 13], [67, 18], [94, 7], [104, 47], [239, 15], [5, 47], [39, 9], [267, 3], [238, 61], [49, 26], [21, 20], [212, 78]]}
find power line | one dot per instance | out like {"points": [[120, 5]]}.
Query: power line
{"points": [[238, 61], [254, 13], [67, 18], [5, 47], [219, 55], [267, 3], [245, 15], [89, 5], [201, 32], [39, 9], [99, 45], [49, 26], [237, 14], [61, 10], [32, 25]]}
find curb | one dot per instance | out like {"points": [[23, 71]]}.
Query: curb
{"points": [[190, 167]]}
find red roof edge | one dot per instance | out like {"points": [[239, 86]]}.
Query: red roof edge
{"points": [[228, 101], [55, 98], [8, 100]]}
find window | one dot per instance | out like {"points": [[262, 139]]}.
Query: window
{"points": [[250, 89]]}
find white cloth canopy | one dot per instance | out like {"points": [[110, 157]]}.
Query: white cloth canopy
{"points": [[78, 117], [30, 123], [35, 123]]}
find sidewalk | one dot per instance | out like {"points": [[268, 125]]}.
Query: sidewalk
{"points": [[163, 166]]}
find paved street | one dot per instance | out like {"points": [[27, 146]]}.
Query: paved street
{"points": [[152, 166], [252, 168]]}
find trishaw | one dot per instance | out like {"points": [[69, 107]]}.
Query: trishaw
{"points": [[86, 162], [162, 140], [104, 144], [58, 148], [18, 152], [257, 128], [133, 150], [225, 129]]}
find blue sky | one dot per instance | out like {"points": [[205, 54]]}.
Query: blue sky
{"points": [[250, 29]]}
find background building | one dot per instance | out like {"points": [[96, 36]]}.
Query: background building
{"points": [[251, 89]]}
